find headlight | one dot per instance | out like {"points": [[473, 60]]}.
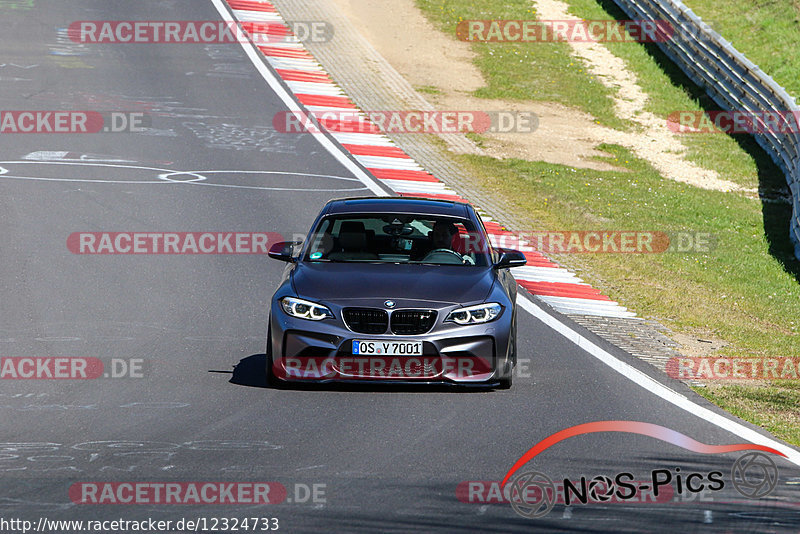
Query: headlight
{"points": [[482, 313], [304, 309]]}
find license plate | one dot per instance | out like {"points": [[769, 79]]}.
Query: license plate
{"points": [[387, 348]]}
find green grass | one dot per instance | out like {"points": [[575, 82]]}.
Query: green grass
{"points": [[771, 407], [744, 291], [768, 33], [428, 89]]}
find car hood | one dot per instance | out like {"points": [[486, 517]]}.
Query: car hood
{"points": [[451, 284]]}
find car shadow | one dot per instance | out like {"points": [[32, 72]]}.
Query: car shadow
{"points": [[250, 372]]}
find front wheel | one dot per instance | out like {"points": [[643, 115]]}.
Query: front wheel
{"points": [[507, 380], [272, 380]]}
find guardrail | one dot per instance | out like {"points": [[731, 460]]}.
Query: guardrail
{"points": [[731, 80]]}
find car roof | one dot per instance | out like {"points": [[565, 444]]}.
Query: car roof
{"points": [[410, 205]]}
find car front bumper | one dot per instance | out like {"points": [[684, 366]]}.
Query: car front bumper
{"points": [[321, 351]]}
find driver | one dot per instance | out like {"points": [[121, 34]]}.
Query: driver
{"points": [[442, 235], [439, 237]]}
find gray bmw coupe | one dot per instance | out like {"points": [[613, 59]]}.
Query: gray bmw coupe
{"points": [[394, 289]]}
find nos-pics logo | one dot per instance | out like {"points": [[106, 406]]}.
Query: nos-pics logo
{"points": [[533, 494]]}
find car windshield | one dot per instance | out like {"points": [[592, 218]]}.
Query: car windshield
{"points": [[394, 238]]}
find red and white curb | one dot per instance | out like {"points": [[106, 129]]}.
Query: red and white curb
{"points": [[317, 92]]}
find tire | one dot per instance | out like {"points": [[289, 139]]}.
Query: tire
{"points": [[272, 380], [507, 381]]}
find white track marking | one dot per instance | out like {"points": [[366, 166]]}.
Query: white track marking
{"points": [[168, 178], [164, 176], [232, 171], [5, 175]]}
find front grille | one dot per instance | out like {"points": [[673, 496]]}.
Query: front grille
{"points": [[366, 320], [411, 322]]}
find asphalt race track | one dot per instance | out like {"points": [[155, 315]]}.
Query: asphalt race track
{"points": [[197, 409]]}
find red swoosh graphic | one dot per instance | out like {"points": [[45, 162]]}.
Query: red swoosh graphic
{"points": [[633, 427]]}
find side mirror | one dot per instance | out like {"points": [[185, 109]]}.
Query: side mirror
{"points": [[283, 251], [510, 258]]}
